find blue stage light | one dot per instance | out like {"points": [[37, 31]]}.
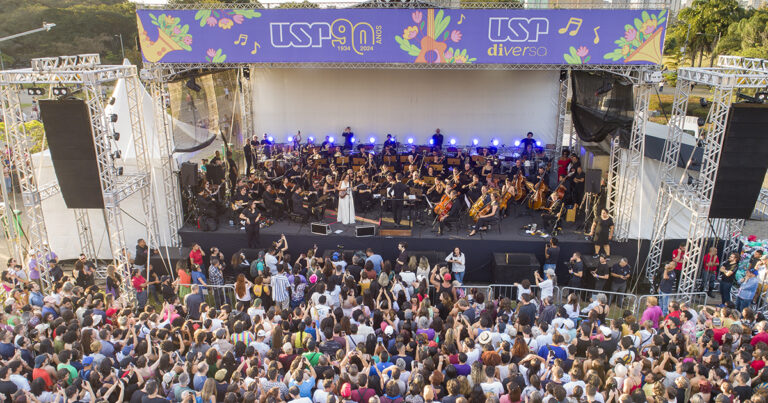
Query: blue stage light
{"points": [[453, 142], [331, 139], [290, 139], [517, 143], [311, 139], [372, 140], [475, 142], [538, 143], [495, 142], [410, 140], [271, 139]]}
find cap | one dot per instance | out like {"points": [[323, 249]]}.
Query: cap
{"points": [[447, 277], [753, 271], [484, 338], [716, 321], [313, 278], [335, 256], [168, 378], [220, 375], [389, 330], [346, 390], [40, 360], [261, 333], [432, 343], [86, 361]]}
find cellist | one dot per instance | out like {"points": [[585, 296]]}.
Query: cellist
{"points": [[508, 193], [446, 220]]}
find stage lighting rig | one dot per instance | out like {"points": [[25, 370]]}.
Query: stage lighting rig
{"points": [[113, 118], [60, 91], [116, 136], [35, 91]]}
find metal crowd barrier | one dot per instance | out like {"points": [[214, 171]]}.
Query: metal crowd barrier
{"points": [[510, 291], [462, 291], [761, 206], [218, 295], [693, 299], [617, 301]]}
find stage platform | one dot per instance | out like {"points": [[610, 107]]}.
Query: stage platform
{"points": [[478, 249]]}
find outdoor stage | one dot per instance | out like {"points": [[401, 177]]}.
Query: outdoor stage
{"points": [[478, 249]]}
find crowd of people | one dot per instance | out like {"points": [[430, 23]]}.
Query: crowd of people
{"points": [[324, 329]]}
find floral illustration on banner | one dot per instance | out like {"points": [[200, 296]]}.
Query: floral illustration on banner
{"points": [[433, 37], [215, 56], [577, 56], [224, 19], [172, 28], [641, 41]]}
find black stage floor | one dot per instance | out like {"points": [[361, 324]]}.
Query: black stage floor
{"points": [[478, 249]]}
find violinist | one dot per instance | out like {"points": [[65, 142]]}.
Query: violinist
{"points": [[474, 189], [517, 168], [239, 202], [487, 168], [272, 202], [487, 216], [300, 205], [329, 189], [431, 173], [364, 194], [446, 220], [468, 170]]}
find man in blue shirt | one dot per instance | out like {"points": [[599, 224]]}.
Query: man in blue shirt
{"points": [[375, 259], [747, 290], [555, 348]]}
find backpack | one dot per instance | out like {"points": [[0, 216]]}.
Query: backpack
{"points": [[256, 268]]}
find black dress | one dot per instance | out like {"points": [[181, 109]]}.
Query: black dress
{"points": [[603, 230]]}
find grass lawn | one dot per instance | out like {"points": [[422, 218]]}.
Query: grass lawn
{"points": [[663, 102]]}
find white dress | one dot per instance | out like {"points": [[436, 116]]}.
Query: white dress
{"points": [[346, 212]]}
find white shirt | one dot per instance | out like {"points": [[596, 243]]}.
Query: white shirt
{"points": [[547, 288], [457, 267], [20, 381], [494, 387], [271, 262]]}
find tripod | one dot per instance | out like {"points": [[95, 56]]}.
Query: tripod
{"points": [[588, 207]]}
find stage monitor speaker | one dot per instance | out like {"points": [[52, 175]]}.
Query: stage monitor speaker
{"points": [[742, 164], [365, 231], [319, 228], [592, 180], [189, 174], [68, 131]]}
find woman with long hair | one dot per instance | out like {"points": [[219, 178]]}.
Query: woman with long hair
{"points": [[243, 288], [183, 280], [346, 210], [113, 282]]}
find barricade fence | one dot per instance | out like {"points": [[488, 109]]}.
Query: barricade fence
{"points": [[693, 299], [462, 291], [217, 295], [618, 302]]}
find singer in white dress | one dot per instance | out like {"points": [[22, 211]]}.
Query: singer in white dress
{"points": [[346, 211]]}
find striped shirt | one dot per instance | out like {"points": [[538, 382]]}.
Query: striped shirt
{"points": [[280, 286], [246, 337]]}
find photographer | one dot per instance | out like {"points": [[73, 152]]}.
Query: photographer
{"points": [[576, 270]]}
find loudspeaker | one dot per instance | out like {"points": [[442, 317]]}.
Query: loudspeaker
{"points": [[319, 228], [189, 174], [742, 164], [509, 268], [68, 131], [365, 231], [592, 180], [174, 254]]}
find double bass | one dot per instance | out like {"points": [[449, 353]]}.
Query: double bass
{"points": [[519, 185], [536, 201]]}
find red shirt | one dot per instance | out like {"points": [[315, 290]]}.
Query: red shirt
{"points": [[138, 283], [719, 333], [196, 256], [562, 166], [762, 336], [715, 262], [757, 365], [42, 373], [675, 253]]}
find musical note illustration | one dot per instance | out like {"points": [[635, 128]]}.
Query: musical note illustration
{"points": [[575, 21], [461, 19], [256, 47], [242, 39], [597, 37]]}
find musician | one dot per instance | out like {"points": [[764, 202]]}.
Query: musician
{"points": [[437, 140], [251, 216], [517, 168], [249, 152], [364, 195], [487, 216], [390, 142], [346, 209], [474, 189], [397, 193], [432, 173], [266, 145], [563, 162], [206, 205], [528, 143], [299, 203], [348, 136], [552, 215], [272, 202], [468, 171], [487, 168], [293, 173], [239, 202], [579, 180], [508, 193], [452, 216], [541, 175]]}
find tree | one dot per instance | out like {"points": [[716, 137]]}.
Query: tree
{"points": [[748, 37], [700, 26]]}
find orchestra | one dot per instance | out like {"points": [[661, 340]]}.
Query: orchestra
{"points": [[437, 185]]}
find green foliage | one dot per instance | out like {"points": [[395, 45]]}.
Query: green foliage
{"points": [[34, 130], [294, 4], [82, 26], [748, 37], [478, 3], [700, 26]]}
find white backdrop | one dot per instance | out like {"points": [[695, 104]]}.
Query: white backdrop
{"points": [[407, 103]]}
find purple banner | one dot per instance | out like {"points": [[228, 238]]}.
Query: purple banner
{"points": [[490, 36]]}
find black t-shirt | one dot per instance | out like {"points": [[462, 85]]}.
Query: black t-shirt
{"points": [[528, 310], [668, 285], [620, 270], [603, 226], [155, 399], [141, 255], [251, 216], [138, 396], [193, 303], [354, 271], [744, 392], [602, 270], [732, 267], [554, 254], [579, 185], [577, 267], [403, 257]]}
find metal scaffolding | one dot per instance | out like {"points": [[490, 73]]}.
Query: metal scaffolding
{"points": [[84, 70], [562, 109], [695, 196], [246, 103]]}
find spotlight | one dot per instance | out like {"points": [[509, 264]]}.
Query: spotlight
{"points": [[701, 121], [410, 140], [116, 155], [311, 139], [475, 142], [331, 139], [113, 118], [703, 102], [453, 142], [290, 139], [538, 143], [517, 143], [116, 136], [35, 91], [762, 96], [271, 139], [352, 140], [192, 85], [60, 91], [372, 140], [495, 142]]}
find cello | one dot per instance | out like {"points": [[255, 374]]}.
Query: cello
{"points": [[442, 208], [536, 201], [519, 185]]}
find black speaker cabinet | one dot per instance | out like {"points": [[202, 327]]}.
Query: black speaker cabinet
{"points": [[592, 180], [362, 231], [319, 228]]}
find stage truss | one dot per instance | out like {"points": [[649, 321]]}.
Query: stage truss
{"points": [[733, 73], [85, 71]]}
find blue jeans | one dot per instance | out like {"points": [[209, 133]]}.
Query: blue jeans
{"points": [[141, 297], [664, 303], [725, 291], [742, 303], [459, 276], [708, 280]]}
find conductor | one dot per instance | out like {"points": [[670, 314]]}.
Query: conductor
{"points": [[397, 192]]}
